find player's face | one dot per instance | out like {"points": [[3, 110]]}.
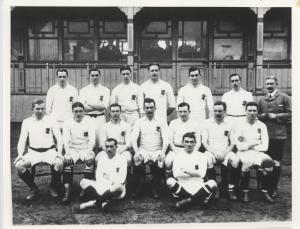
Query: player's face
{"points": [[194, 77], [270, 85], [39, 110], [154, 72], [62, 78], [235, 82], [189, 144], [149, 109], [94, 77], [78, 113], [183, 113], [251, 113], [110, 148], [126, 76], [219, 112], [115, 113]]}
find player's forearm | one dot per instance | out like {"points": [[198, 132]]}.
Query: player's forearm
{"points": [[98, 106]]}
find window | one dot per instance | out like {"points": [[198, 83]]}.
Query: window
{"points": [[228, 39], [156, 42], [43, 41], [113, 44], [192, 39], [78, 44]]}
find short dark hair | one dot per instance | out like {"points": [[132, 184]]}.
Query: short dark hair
{"points": [[94, 69], [194, 68], [125, 67], [37, 101], [189, 135], [272, 78], [251, 104], [114, 105], [61, 70], [112, 140], [154, 64], [184, 104], [149, 100], [77, 104], [235, 74], [221, 103]]}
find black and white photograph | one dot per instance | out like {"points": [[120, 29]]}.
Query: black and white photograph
{"points": [[149, 115]]}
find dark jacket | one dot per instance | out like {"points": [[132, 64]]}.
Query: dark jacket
{"points": [[281, 105]]}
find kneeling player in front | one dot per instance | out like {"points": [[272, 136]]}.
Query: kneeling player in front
{"points": [[189, 169], [40, 130], [110, 179], [79, 141], [252, 141]]}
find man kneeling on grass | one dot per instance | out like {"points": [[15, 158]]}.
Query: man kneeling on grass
{"points": [[189, 169], [110, 179]]}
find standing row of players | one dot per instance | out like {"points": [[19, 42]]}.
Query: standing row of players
{"points": [[150, 136]]}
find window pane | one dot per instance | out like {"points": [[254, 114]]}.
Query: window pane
{"points": [[275, 49], [78, 50], [158, 49], [43, 49], [113, 49], [157, 27], [228, 49], [79, 27], [114, 27]]}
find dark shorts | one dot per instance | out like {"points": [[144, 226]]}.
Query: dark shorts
{"points": [[275, 150]]}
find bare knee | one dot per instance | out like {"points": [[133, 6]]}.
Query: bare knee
{"points": [[58, 165], [171, 182], [20, 166], [212, 184]]}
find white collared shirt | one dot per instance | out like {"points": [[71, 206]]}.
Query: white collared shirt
{"points": [[152, 134], [39, 132], [129, 96], [163, 95], [249, 133], [195, 97], [79, 135], [59, 101], [91, 94], [120, 131], [217, 135], [236, 101]]}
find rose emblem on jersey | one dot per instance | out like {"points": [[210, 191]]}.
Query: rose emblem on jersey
{"points": [[158, 128], [85, 134], [47, 130], [163, 92], [123, 133], [71, 99], [196, 167], [133, 97], [117, 169], [241, 138], [101, 97], [203, 96], [244, 103], [259, 130], [226, 132]]}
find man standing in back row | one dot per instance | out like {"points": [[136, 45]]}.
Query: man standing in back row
{"points": [[197, 95], [160, 91]]}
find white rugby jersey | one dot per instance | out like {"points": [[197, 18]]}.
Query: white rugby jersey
{"points": [[247, 133], [236, 101], [40, 133], [91, 94], [195, 97], [112, 169], [59, 101], [152, 133], [178, 128], [217, 135], [163, 95], [79, 135], [120, 131], [129, 96]]}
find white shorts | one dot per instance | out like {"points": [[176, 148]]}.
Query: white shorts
{"points": [[102, 186], [250, 158], [81, 154], [48, 157], [98, 122], [191, 185], [130, 117], [215, 158]]}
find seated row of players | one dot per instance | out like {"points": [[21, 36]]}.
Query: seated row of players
{"points": [[150, 140]]}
